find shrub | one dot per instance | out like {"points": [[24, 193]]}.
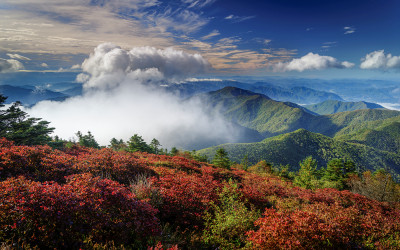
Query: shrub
{"points": [[227, 222], [50, 215]]}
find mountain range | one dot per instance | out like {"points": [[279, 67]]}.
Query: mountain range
{"points": [[369, 137]]}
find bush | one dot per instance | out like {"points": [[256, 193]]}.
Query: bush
{"points": [[50, 215], [228, 222]]}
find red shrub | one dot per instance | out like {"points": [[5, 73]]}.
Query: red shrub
{"points": [[39, 163], [62, 216], [186, 197], [119, 166]]}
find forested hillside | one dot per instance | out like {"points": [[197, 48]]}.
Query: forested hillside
{"points": [[291, 148]]}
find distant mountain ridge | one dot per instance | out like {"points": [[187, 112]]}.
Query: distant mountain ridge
{"points": [[300, 95], [334, 106], [29, 96]]}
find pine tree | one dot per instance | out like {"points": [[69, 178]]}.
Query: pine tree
{"points": [[17, 126], [221, 159], [87, 140], [307, 176], [155, 146], [136, 143]]}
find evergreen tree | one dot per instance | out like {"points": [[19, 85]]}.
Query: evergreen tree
{"points": [[174, 151], [334, 174], [117, 145], [17, 126], [155, 146], [307, 176], [136, 143], [245, 162], [221, 159], [87, 140]]}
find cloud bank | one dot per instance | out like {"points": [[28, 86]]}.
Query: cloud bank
{"points": [[378, 60], [311, 61], [123, 96]]}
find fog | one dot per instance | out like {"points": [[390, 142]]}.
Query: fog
{"points": [[122, 96]]}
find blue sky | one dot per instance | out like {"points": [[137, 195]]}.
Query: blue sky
{"points": [[310, 38]]}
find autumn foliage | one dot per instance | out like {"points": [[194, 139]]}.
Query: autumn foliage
{"points": [[97, 198]]}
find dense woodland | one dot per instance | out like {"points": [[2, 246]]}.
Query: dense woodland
{"points": [[137, 195]]}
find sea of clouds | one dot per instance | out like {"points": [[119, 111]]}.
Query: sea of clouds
{"points": [[122, 96]]}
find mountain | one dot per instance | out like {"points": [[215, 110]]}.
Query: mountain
{"points": [[334, 106], [380, 134], [302, 95], [291, 148], [335, 124], [29, 95], [270, 118], [257, 111]]}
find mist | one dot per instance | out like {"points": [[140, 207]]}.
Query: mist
{"points": [[122, 97]]}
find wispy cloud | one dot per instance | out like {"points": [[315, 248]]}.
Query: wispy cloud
{"points": [[17, 56], [378, 60], [328, 45], [75, 26], [237, 19], [212, 34], [349, 30], [198, 3]]}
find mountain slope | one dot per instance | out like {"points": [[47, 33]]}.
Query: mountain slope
{"points": [[257, 111], [293, 147], [381, 134], [333, 106], [270, 118]]}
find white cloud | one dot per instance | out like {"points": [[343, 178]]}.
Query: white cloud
{"points": [[198, 3], [212, 34], [124, 97], [147, 62], [237, 19], [76, 66], [10, 65], [378, 60], [349, 30], [16, 56], [311, 61], [44, 65]]}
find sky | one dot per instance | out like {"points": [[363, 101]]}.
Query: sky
{"points": [[306, 38]]}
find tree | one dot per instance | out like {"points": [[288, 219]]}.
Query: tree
{"points": [[307, 176], [136, 143], [155, 146], [221, 159], [17, 126], [87, 140], [117, 144], [245, 162], [174, 151]]}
